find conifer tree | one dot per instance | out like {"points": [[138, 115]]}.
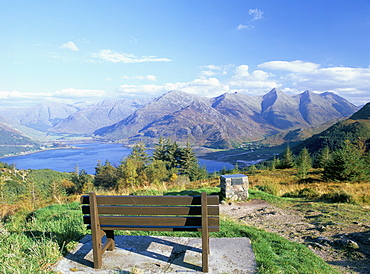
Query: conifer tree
{"points": [[236, 169], [187, 159], [157, 171], [304, 163], [288, 159], [127, 174], [324, 157], [253, 169], [347, 164], [105, 175], [139, 153]]}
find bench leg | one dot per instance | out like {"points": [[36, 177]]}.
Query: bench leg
{"points": [[205, 233], [110, 235], [97, 250]]}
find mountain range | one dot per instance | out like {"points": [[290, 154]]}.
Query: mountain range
{"points": [[230, 118], [218, 122]]}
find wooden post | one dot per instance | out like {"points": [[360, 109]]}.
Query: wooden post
{"points": [[96, 231], [205, 232]]}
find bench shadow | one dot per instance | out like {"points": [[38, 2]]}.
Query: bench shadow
{"points": [[141, 245]]}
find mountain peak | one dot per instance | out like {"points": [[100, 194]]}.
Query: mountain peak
{"points": [[270, 98], [175, 92]]}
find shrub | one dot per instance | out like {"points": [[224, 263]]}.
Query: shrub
{"points": [[302, 193], [270, 188], [338, 197]]}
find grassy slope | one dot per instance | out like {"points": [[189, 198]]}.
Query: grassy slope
{"points": [[34, 242]]}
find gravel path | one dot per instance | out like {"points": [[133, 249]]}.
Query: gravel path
{"points": [[345, 247]]}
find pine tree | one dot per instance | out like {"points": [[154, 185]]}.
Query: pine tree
{"points": [[304, 163], [168, 152], [253, 169], [81, 181], [106, 176], [157, 171], [187, 159], [288, 159], [159, 150], [236, 169], [347, 164], [324, 157], [139, 153]]}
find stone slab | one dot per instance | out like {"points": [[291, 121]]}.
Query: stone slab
{"points": [[154, 254]]}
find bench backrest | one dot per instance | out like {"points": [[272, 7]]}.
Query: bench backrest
{"points": [[153, 213]]}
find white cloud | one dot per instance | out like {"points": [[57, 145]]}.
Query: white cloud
{"points": [[69, 45], [20, 99], [335, 78], [293, 66], [79, 93], [141, 77], [140, 90], [246, 27], [350, 83], [115, 57], [212, 67], [203, 87], [242, 71], [256, 82], [292, 77], [213, 70], [256, 13]]}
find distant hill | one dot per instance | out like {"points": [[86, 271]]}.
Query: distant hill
{"points": [[13, 141], [39, 117], [354, 128], [297, 135], [103, 114], [227, 119]]}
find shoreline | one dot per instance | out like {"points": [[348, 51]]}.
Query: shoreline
{"points": [[41, 150]]}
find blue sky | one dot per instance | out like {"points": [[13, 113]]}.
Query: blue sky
{"points": [[88, 51]]}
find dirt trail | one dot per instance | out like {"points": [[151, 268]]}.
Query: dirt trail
{"points": [[344, 246]]}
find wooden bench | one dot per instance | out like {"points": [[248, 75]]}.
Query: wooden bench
{"points": [[104, 214]]}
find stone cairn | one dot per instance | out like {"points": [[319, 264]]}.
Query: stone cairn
{"points": [[234, 187]]}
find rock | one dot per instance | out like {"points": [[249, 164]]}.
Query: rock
{"points": [[347, 244], [317, 246], [323, 240], [321, 228]]}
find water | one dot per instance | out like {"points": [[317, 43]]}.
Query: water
{"points": [[86, 156]]}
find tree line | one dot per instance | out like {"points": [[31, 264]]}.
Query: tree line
{"points": [[350, 162], [168, 162]]}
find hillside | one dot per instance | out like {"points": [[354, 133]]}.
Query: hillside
{"points": [[40, 117], [297, 135], [13, 141], [229, 119], [354, 128], [103, 114]]}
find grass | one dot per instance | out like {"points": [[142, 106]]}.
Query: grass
{"points": [[285, 183], [31, 243]]}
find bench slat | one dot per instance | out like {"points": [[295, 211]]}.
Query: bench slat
{"points": [[152, 210], [150, 200], [148, 228], [152, 221]]}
